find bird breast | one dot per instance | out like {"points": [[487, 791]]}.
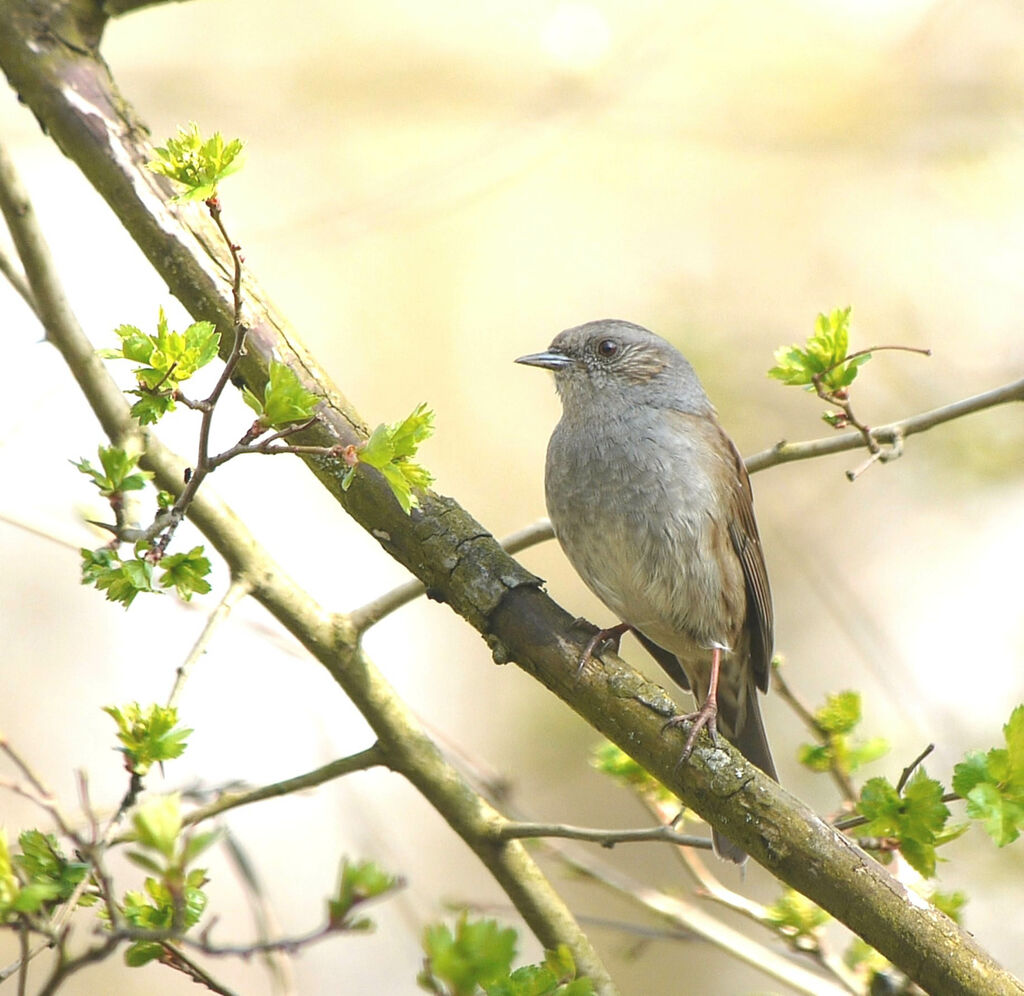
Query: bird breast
{"points": [[633, 504]]}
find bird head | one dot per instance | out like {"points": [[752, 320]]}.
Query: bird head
{"points": [[616, 365]]}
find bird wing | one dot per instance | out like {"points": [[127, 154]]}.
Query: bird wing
{"points": [[747, 544]]}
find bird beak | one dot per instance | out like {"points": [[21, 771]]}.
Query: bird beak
{"points": [[549, 360]]}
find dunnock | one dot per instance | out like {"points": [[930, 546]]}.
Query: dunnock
{"points": [[652, 505]]}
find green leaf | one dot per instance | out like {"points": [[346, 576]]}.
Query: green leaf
{"points": [[142, 952], [993, 783], [167, 359], [9, 885], [358, 881], [120, 580], [797, 917], [824, 355], [950, 903], [118, 471], [477, 953], [617, 764], [285, 400], [390, 449], [916, 819], [149, 735], [151, 407], [198, 164], [157, 824], [840, 713], [186, 573], [48, 874]]}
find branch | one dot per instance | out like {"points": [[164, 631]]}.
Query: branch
{"points": [[458, 562], [606, 838], [364, 760], [893, 433]]}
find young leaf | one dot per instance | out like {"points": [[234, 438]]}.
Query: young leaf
{"points": [[149, 735], [197, 164], [478, 953], [390, 449], [157, 824], [167, 359], [119, 471], [358, 882], [186, 573], [993, 783], [917, 819], [824, 356], [617, 764], [120, 580], [798, 918], [284, 401]]}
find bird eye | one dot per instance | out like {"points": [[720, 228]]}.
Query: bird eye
{"points": [[607, 347]]}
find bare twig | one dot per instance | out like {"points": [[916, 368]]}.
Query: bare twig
{"points": [[909, 769], [236, 591], [17, 280], [369, 758], [606, 838]]}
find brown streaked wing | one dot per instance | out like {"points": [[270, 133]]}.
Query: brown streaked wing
{"points": [[747, 544]]}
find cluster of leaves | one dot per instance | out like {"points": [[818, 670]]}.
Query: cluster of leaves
{"points": [[476, 957], [122, 579], [823, 362], [390, 450], [172, 896], [166, 360], [196, 163], [993, 783], [149, 735], [38, 877], [837, 719], [917, 818]]}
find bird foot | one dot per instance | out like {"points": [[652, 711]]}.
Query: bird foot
{"points": [[604, 639], [706, 717]]}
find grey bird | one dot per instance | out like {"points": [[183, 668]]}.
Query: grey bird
{"points": [[652, 505]]}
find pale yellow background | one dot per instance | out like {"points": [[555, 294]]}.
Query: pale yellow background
{"points": [[434, 189]]}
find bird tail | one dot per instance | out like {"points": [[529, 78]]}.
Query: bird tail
{"points": [[751, 740]]}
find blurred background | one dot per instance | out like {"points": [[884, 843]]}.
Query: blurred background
{"points": [[434, 189]]}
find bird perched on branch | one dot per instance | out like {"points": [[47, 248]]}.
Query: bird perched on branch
{"points": [[652, 505]]}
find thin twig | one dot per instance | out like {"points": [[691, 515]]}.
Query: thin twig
{"points": [[371, 757], [236, 591], [606, 838], [17, 280], [909, 769]]}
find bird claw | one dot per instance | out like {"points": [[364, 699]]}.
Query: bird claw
{"points": [[705, 718], [604, 639]]}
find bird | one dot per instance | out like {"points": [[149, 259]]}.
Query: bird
{"points": [[651, 503]]}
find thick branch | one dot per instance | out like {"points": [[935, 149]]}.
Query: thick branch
{"points": [[458, 562]]}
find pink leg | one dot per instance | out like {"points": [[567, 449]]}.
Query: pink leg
{"points": [[707, 715]]}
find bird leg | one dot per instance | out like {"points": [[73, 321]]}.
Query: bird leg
{"points": [[610, 636], [706, 716]]}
